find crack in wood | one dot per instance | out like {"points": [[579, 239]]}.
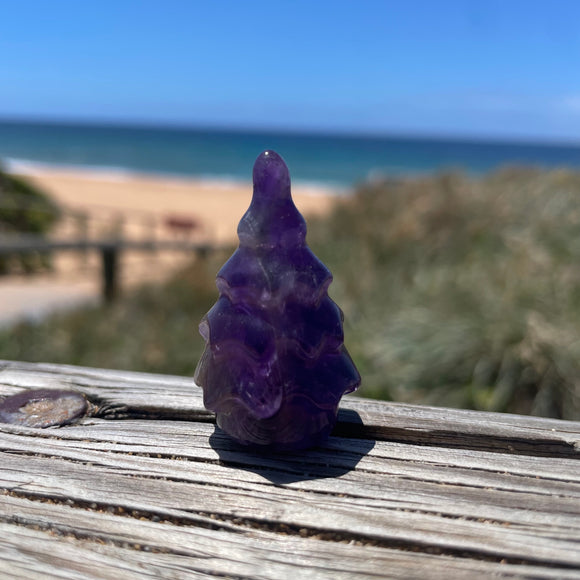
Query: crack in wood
{"points": [[175, 479], [477, 442], [115, 412], [104, 539], [68, 532], [448, 439], [417, 462], [52, 434], [487, 487], [241, 525], [345, 537], [346, 429], [204, 521]]}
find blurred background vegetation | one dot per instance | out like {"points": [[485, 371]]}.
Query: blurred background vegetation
{"points": [[24, 209], [457, 291]]}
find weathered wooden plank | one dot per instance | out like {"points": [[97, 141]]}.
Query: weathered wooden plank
{"points": [[165, 493], [30, 243], [432, 491], [140, 394], [179, 442], [161, 549]]}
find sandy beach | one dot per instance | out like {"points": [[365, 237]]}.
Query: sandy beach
{"points": [[218, 205], [146, 205]]}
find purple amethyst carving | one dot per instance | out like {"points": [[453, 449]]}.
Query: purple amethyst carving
{"points": [[274, 366]]}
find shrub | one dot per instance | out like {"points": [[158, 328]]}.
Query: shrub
{"points": [[24, 209], [462, 292]]}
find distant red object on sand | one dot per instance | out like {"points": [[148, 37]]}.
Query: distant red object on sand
{"points": [[181, 225]]}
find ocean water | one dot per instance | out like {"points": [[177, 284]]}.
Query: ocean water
{"points": [[335, 160]]}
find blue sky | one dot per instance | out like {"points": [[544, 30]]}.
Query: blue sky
{"points": [[489, 68]]}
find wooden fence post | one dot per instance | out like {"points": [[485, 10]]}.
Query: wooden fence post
{"points": [[110, 258], [82, 226]]}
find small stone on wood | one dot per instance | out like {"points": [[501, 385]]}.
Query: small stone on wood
{"points": [[43, 408]]}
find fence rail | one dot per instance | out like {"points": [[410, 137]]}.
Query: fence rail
{"points": [[109, 250], [109, 232]]}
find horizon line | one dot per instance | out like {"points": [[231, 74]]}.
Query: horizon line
{"points": [[114, 123]]}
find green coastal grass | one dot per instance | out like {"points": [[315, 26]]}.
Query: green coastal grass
{"points": [[24, 209], [456, 291], [463, 292], [152, 329]]}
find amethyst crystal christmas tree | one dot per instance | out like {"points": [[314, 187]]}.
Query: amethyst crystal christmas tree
{"points": [[274, 367]]}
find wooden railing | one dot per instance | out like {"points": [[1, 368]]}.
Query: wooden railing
{"points": [[110, 232], [145, 485], [109, 249]]}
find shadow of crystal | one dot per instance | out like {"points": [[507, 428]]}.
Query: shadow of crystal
{"points": [[340, 454]]}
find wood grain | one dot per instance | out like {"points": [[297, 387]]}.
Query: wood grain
{"points": [[146, 486]]}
